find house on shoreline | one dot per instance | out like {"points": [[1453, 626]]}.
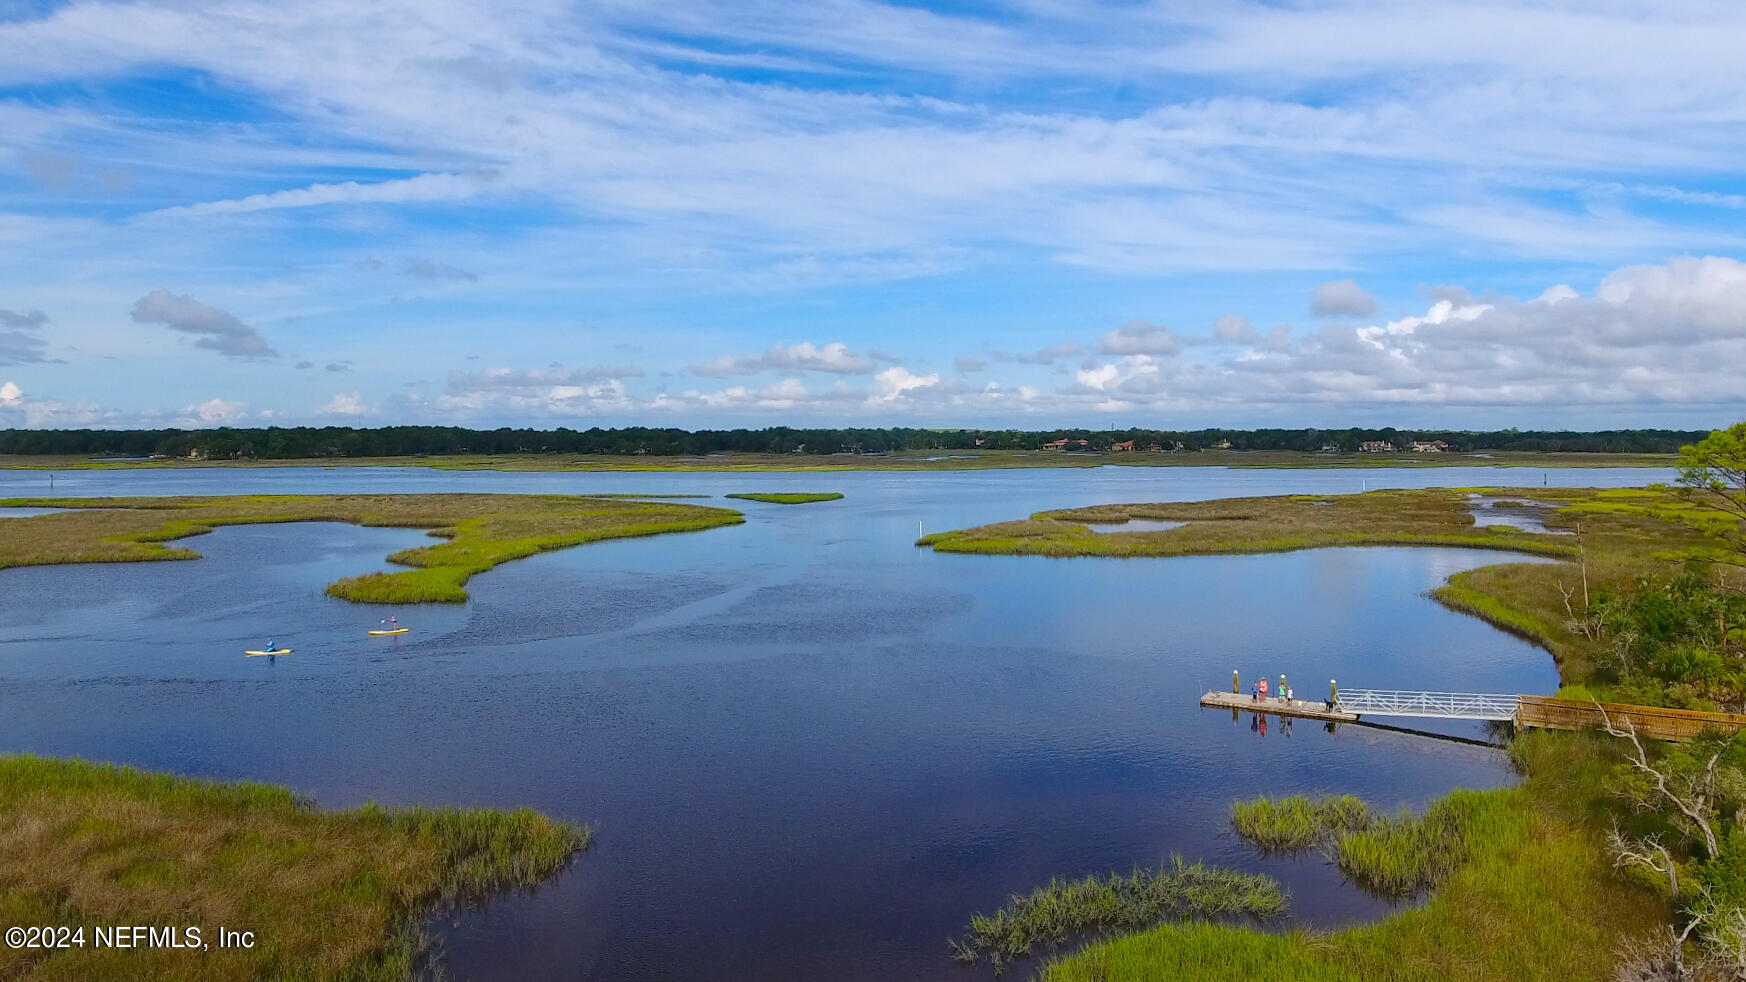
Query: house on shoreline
{"points": [[1375, 446], [1433, 446]]}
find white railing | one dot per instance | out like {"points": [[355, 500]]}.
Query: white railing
{"points": [[1448, 705]]}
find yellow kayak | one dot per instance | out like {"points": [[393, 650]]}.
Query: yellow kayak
{"points": [[398, 630], [276, 651]]}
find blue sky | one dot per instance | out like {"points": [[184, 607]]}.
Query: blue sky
{"points": [[749, 213]]}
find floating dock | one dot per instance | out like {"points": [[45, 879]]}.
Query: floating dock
{"points": [[1301, 708]]}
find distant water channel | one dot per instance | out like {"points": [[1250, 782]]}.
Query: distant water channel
{"points": [[810, 750]]}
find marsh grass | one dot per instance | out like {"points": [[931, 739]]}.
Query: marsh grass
{"points": [[329, 894], [1404, 854], [1524, 893], [790, 498], [1065, 910], [1396, 856], [479, 531], [1298, 822]]}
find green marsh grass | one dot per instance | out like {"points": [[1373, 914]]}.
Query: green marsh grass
{"points": [[478, 531], [1064, 910], [1527, 894], [1298, 822], [329, 894], [790, 498]]}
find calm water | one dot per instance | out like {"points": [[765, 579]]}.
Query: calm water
{"points": [[809, 749]]}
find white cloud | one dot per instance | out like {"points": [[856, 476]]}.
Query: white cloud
{"points": [[18, 409], [891, 384], [835, 358], [1341, 298], [1372, 115], [346, 404], [499, 378], [217, 411], [422, 188]]}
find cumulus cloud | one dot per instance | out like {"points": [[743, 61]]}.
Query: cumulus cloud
{"points": [[891, 384], [834, 358], [969, 365], [1140, 338], [18, 409], [346, 404], [21, 342], [1234, 329], [553, 392], [216, 411], [1664, 334], [1341, 298], [215, 329]]}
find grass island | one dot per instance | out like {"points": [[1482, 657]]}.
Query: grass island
{"points": [[789, 498], [326, 894], [480, 531]]}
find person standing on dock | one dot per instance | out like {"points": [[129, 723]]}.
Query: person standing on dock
{"points": [[1281, 691], [1263, 688]]}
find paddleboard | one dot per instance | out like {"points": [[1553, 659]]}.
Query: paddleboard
{"points": [[278, 651], [398, 630]]}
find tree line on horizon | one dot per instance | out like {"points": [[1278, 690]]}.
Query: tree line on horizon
{"points": [[280, 443]]}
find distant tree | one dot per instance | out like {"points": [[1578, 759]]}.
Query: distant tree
{"points": [[1712, 476]]}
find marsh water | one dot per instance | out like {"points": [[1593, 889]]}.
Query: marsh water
{"points": [[810, 751]]}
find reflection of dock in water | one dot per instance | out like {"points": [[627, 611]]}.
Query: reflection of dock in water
{"points": [[1300, 708]]}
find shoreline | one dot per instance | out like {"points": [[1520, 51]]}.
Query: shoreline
{"points": [[926, 463]]}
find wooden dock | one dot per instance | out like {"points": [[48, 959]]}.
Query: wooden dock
{"points": [[1301, 708], [1541, 712]]}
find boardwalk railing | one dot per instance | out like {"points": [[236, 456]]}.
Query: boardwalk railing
{"points": [[1445, 705]]}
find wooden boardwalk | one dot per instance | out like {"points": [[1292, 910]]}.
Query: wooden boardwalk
{"points": [[1650, 721], [1542, 712]]}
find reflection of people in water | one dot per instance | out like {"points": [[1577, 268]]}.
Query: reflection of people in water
{"points": [[1285, 725], [1258, 723]]}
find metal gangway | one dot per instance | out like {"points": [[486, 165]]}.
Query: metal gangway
{"points": [[1442, 705]]}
